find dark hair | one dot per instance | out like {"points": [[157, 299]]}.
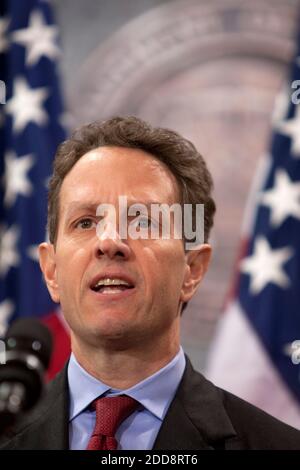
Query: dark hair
{"points": [[177, 153]]}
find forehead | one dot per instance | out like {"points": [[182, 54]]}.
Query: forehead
{"points": [[105, 173]]}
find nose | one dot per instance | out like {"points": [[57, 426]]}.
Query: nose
{"points": [[109, 243]]}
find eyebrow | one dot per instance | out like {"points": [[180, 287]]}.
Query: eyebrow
{"points": [[74, 207]]}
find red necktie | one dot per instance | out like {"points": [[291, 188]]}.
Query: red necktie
{"points": [[110, 412]]}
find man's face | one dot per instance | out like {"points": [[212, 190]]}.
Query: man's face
{"points": [[160, 274]]}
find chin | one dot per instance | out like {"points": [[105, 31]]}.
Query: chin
{"points": [[109, 327]]}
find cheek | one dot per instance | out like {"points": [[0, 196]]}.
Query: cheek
{"points": [[71, 267], [165, 265]]}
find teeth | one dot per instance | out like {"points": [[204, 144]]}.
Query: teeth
{"points": [[109, 290], [111, 282]]}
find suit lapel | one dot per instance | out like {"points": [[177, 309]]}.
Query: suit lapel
{"points": [[54, 426], [178, 431], [196, 418]]}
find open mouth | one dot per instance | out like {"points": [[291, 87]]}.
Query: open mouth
{"points": [[111, 286]]}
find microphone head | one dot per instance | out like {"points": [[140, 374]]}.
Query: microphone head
{"points": [[30, 336], [28, 351]]}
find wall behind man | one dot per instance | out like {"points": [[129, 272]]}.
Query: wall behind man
{"points": [[210, 69]]}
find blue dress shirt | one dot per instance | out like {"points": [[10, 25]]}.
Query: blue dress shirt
{"points": [[140, 429]]}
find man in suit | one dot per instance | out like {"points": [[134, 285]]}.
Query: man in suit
{"points": [[128, 383]]}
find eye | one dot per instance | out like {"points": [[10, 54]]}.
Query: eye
{"points": [[144, 222], [85, 224]]}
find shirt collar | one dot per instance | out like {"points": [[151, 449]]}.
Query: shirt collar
{"points": [[84, 388]]}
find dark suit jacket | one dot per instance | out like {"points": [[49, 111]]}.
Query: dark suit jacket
{"points": [[201, 416]]}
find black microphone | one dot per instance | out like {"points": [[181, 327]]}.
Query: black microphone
{"points": [[28, 351]]}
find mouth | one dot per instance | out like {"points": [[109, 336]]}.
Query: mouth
{"points": [[112, 287]]}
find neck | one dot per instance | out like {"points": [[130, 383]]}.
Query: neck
{"points": [[123, 369]]}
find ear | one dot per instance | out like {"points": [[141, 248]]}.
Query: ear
{"points": [[197, 262], [48, 267]]}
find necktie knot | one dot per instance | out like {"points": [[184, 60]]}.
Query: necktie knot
{"points": [[110, 413]]}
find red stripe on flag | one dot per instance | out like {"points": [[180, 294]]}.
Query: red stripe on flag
{"points": [[61, 344]]}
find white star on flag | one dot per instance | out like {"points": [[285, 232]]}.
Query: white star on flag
{"points": [[6, 311], [3, 30], [33, 250], [26, 105], [16, 180], [39, 39], [9, 255], [291, 128], [283, 199], [2, 92], [265, 265]]}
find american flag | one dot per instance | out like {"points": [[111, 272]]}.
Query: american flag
{"points": [[30, 129], [256, 351]]}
